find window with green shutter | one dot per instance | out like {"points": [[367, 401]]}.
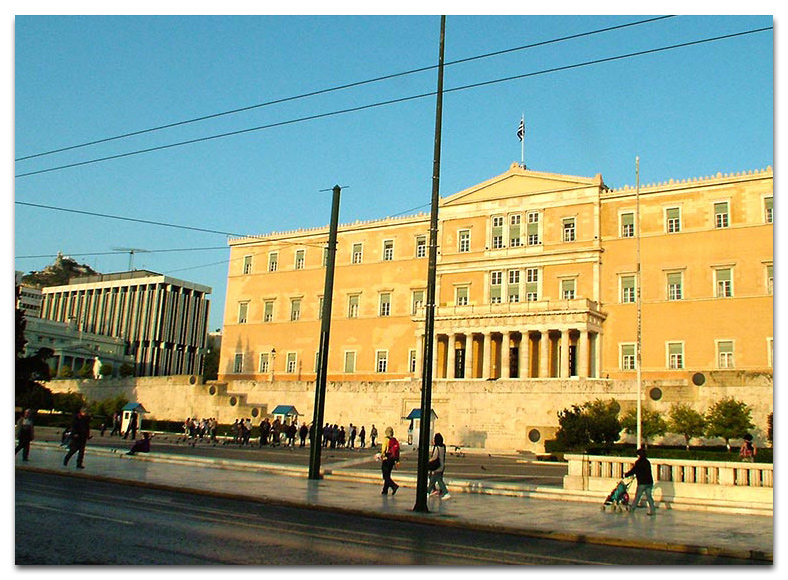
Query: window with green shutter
{"points": [[721, 214], [567, 289], [675, 355], [768, 210], [673, 220], [627, 289], [514, 230], [725, 354], [674, 286], [627, 357], [627, 225], [724, 283]]}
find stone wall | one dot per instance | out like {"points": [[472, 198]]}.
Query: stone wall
{"points": [[495, 415]]}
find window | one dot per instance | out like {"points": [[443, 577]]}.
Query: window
{"points": [[569, 229], [725, 354], [568, 289], [532, 284], [768, 210], [273, 261], [675, 355], [497, 232], [417, 302], [464, 237], [770, 279], [317, 362], [243, 312], [388, 250], [295, 309], [533, 229], [290, 366], [628, 357], [350, 361], [325, 257], [268, 313], [421, 246], [724, 282], [238, 364], [382, 361], [721, 214], [627, 289], [674, 286], [247, 264], [628, 225], [513, 289], [299, 259], [320, 305], [462, 296], [352, 306], [385, 304], [264, 362], [495, 287], [673, 220], [412, 360], [357, 253], [514, 230]]}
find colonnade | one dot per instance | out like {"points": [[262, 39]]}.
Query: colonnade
{"points": [[496, 354]]}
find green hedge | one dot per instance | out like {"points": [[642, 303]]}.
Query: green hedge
{"points": [[700, 453]]}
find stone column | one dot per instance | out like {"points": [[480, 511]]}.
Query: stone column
{"points": [[419, 355], [525, 359], [468, 355], [506, 338], [451, 356], [544, 355], [485, 353], [435, 348], [564, 371], [582, 354]]}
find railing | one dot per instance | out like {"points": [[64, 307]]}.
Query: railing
{"points": [[688, 483]]}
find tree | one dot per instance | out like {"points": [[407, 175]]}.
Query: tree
{"points": [[86, 372], [770, 427], [651, 424], [126, 370], [729, 419], [30, 370], [106, 369], [593, 422], [686, 421], [68, 403]]}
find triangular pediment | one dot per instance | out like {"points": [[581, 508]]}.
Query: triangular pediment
{"points": [[519, 182]]}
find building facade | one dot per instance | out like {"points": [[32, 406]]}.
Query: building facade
{"points": [[163, 320], [537, 278]]}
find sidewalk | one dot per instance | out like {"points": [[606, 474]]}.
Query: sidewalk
{"points": [[731, 535]]}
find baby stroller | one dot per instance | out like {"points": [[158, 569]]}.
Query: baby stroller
{"points": [[619, 497]]}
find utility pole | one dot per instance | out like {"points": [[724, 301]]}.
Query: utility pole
{"points": [[638, 354], [429, 322], [325, 330]]}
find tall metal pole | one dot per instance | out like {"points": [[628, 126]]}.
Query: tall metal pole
{"points": [[325, 329], [429, 322], [638, 355]]}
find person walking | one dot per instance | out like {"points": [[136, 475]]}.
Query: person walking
{"points": [[436, 467], [302, 433], [373, 435], [24, 433], [80, 433], [389, 457], [642, 472], [115, 425], [362, 437], [132, 428]]}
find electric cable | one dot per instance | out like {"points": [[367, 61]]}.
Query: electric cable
{"points": [[338, 88], [394, 101]]}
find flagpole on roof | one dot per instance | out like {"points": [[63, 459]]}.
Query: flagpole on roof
{"points": [[522, 141]]}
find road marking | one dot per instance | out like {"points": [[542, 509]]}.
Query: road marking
{"points": [[73, 513]]}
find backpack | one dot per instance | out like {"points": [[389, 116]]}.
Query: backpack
{"points": [[393, 449]]}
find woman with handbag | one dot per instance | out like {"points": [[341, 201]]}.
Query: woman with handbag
{"points": [[436, 466]]}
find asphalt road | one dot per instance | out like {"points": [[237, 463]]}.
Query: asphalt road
{"points": [[63, 520]]}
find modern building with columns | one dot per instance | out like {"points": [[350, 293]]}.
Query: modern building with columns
{"points": [[537, 279], [163, 320]]}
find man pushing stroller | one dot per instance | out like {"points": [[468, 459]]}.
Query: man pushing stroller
{"points": [[642, 472]]}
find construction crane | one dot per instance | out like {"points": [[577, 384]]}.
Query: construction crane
{"points": [[131, 252]]}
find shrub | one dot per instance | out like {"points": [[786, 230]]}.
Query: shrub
{"points": [[686, 421], [594, 422], [728, 418]]}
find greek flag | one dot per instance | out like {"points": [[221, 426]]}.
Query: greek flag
{"points": [[521, 130]]}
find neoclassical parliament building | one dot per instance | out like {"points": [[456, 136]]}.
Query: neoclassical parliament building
{"points": [[537, 278]]}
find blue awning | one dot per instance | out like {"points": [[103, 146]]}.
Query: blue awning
{"points": [[135, 407], [286, 410], [416, 414]]}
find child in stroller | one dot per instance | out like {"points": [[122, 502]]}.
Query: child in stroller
{"points": [[619, 497]]}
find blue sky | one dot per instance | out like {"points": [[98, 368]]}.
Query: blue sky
{"points": [[688, 112]]}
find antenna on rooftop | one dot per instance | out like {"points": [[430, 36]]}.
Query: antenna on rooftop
{"points": [[131, 252]]}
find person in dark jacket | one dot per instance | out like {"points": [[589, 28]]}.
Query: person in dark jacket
{"points": [[141, 446], [25, 432], [80, 433], [642, 472]]}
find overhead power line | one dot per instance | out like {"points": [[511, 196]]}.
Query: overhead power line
{"points": [[340, 87], [116, 253], [397, 100]]}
